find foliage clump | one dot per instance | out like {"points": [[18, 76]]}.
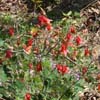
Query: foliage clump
{"points": [[45, 60]]}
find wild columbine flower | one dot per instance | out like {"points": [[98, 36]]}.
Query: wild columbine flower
{"points": [[49, 27], [86, 52], [59, 67], [78, 40], [84, 70], [63, 49], [27, 49], [27, 96], [98, 86], [44, 21], [11, 31], [9, 54], [30, 42], [62, 69], [30, 66], [65, 69], [72, 29], [39, 67], [69, 36]]}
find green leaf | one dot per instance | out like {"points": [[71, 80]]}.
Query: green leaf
{"points": [[18, 98], [1, 42], [46, 63], [19, 84], [3, 76], [54, 98], [2, 91], [68, 14], [77, 14], [0, 95]]}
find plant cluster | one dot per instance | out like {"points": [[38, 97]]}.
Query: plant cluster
{"points": [[46, 60]]}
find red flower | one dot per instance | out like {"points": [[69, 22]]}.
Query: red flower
{"points": [[84, 70], [78, 40], [27, 49], [64, 50], [72, 29], [30, 42], [27, 96], [86, 52], [1, 61], [11, 31], [98, 87], [62, 69], [65, 69], [9, 54], [49, 27], [43, 20], [59, 68], [30, 65], [69, 36], [39, 67]]}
